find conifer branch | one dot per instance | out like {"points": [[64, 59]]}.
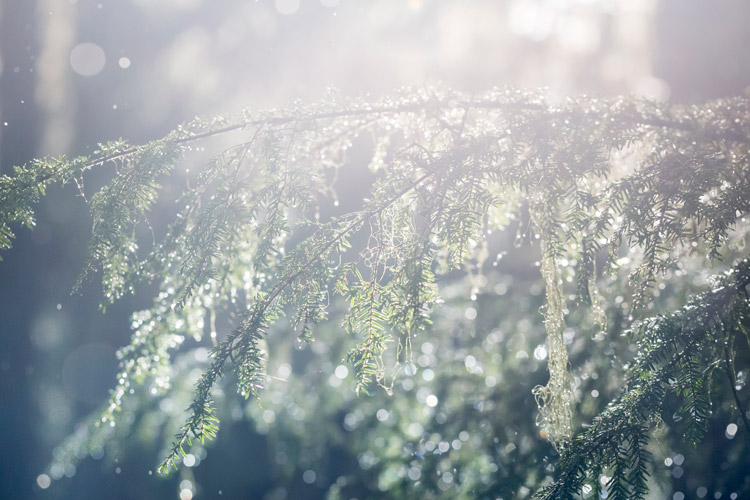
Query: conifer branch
{"points": [[463, 158], [202, 422], [666, 352]]}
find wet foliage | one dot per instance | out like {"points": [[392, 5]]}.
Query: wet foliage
{"points": [[618, 198]]}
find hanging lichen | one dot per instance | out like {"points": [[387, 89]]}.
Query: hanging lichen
{"points": [[555, 400], [598, 312]]}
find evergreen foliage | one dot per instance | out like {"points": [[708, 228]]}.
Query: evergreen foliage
{"points": [[251, 239]]}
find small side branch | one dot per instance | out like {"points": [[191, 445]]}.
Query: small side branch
{"points": [[729, 369]]}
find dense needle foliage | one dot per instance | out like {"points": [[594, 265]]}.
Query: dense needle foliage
{"points": [[590, 180]]}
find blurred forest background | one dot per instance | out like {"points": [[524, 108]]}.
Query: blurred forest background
{"points": [[77, 72]]}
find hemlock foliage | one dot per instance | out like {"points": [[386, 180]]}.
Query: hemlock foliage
{"points": [[602, 187]]}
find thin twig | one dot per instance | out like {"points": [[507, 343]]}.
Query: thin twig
{"points": [[651, 121], [729, 369]]}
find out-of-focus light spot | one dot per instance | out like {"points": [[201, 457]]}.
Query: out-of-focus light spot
{"points": [[431, 401], [124, 62], [579, 34], [470, 313], [678, 496], [653, 88], [269, 416], [309, 476], [186, 484], [540, 352], [334, 381], [679, 458], [186, 494], [731, 431], [171, 5], [428, 375], [382, 415], [414, 473], [285, 369], [48, 330], [57, 471], [201, 354], [677, 472], [701, 491], [189, 460], [185, 4], [668, 461], [594, 393], [532, 20], [43, 480], [342, 371], [87, 59], [287, 7], [415, 429]]}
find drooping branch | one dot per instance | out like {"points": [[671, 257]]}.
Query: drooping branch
{"points": [[669, 350], [460, 157]]}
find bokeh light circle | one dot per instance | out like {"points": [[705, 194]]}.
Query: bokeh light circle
{"points": [[87, 59], [287, 7]]}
